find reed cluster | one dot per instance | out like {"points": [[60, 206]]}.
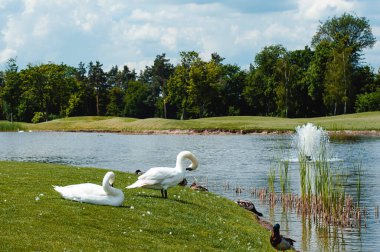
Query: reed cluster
{"points": [[6, 126], [322, 194]]}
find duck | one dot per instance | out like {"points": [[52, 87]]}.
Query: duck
{"points": [[163, 178], [249, 206], [279, 242], [183, 182], [104, 194], [197, 187], [139, 172]]}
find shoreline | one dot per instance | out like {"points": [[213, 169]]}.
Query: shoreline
{"points": [[338, 133]]}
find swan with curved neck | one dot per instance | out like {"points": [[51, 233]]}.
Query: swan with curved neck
{"points": [[105, 194], [162, 178]]}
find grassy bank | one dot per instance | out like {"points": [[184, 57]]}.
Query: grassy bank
{"points": [[7, 126], [356, 122], [33, 217]]}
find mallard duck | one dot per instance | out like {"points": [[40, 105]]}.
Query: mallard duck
{"points": [[162, 178], [249, 206], [280, 242], [197, 187]]}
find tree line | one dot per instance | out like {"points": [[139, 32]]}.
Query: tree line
{"points": [[327, 78]]}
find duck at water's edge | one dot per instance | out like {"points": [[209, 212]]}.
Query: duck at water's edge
{"points": [[249, 206], [279, 242]]}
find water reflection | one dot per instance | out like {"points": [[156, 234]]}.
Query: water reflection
{"points": [[226, 163]]}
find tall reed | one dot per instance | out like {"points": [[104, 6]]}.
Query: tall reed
{"points": [[302, 161], [8, 126], [271, 178], [284, 176], [359, 183]]}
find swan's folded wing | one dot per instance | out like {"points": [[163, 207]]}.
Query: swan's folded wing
{"points": [[77, 191], [158, 174]]}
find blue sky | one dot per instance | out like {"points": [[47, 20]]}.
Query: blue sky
{"points": [[133, 32]]}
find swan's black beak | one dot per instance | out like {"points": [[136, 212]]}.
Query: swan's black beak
{"points": [[111, 184], [189, 169]]}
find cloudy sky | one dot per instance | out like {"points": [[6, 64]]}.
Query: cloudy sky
{"points": [[133, 32]]}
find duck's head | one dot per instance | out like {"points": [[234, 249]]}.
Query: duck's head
{"points": [[276, 229]]}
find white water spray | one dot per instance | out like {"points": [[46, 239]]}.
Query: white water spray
{"points": [[310, 140]]}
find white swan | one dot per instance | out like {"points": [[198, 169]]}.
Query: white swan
{"points": [[162, 178], [94, 194]]}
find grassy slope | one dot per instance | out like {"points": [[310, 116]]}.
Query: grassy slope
{"points": [[361, 121], [33, 217]]}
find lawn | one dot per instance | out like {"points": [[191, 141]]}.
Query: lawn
{"points": [[369, 121], [33, 217]]}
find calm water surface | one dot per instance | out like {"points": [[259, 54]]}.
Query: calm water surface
{"points": [[233, 160]]}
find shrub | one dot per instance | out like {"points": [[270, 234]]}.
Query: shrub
{"points": [[368, 102], [39, 117]]}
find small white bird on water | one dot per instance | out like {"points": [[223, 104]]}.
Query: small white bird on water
{"points": [[162, 178], [105, 194]]}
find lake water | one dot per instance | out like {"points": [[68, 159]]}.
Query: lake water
{"points": [[226, 162]]}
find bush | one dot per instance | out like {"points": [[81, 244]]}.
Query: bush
{"points": [[368, 102], [39, 117]]}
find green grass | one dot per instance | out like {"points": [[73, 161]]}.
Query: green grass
{"points": [[33, 217], [241, 124], [8, 126]]}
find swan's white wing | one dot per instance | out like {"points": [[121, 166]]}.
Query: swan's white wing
{"points": [[158, 178], [158, 174], [76, 192], [90, 193]]}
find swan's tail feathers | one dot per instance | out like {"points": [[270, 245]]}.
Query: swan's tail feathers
{"points": [[58, 188], [138, 184]]}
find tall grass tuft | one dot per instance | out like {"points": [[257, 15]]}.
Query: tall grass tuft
{"points": [[8, 126], [284, 176], [271, 178], [359, 183]]}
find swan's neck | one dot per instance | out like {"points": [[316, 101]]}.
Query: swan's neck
{"points": [[109, 178], [186, 155]]}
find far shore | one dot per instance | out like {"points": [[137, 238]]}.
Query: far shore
{"points": [[343, 133], [349, 125]]}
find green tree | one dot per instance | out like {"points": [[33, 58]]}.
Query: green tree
{"points": [[368, 102], [136, 104], [348, 36], [116, 102], [182, 89], [299, 101], [346, 31], [157, 77], [254, 92], [10, 91], [263, 81], [46, 89], [97, 80], [315, 77]]}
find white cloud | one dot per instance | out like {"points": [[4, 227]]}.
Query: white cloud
{"points": [[6, 54], [116, 32], [317, 9]]}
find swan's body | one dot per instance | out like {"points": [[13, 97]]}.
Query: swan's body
{"points": [[280, 242], [162, 178], [94, 194]]}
